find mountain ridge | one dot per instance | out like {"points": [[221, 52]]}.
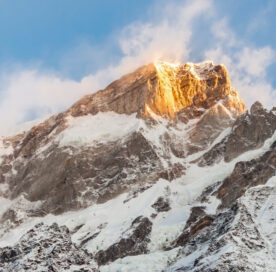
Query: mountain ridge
{"points": [[173, 148], [188, 84]]}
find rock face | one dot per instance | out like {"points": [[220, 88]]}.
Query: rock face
{"points": [[161, 205], [163, 170], [249, 131], [96, 174], [235, 224], [246, 175], [46, 248], [235, 241], [67, 177], [164, 89], [197, 221], [134, 244]]}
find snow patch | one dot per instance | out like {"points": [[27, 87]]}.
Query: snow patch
{"points": [[99, 128], [4, 150]]}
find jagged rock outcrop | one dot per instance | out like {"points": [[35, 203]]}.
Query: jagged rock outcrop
{"points": [[46, 248], [162, 145], [234, 233], [197, 221], [237, 240], [247, 174], [134, 243], [91, 175], [164, 89], [161, 205], [249, 131], [66, 177]]}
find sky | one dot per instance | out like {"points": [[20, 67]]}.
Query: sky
{"points": [[54, 52]]}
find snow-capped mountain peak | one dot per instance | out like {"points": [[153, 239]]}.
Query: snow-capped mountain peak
{"points": [[157, 172]]}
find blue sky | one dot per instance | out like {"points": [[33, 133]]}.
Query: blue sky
{"points": [[43, 32], [53, 52]]}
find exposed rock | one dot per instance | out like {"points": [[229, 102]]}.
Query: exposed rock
{"points": [[180, 110], [134, 243], [70, 178], [217, 118], [39, 135], [247, 174], [46, 248], [164, 89], [195, 215], [236, 224], [161, 205], [102, 172], [197, 221], [208, 192], [249, 131], [88, 238], [59, 179], [174, 171], [236, 240]]}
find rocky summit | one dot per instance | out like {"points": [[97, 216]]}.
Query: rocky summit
{"points": [[163, 170]]}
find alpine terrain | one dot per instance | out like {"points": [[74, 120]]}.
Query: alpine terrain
{"points": [[163, 170]]}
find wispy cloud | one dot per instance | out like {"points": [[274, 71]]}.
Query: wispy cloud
{"points": [[167, 35], [247, 65]]}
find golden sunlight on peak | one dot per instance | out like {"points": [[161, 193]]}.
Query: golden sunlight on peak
{"points": [[159, 63], [180, 86]]}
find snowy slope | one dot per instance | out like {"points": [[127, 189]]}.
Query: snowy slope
{"points": [[182, 194], [136, 189]]}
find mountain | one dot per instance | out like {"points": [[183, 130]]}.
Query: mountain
{"points": [[163, 170]]}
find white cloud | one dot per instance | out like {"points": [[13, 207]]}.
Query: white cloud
{"points": [[167, 35], [167, 38], [222, 32], [255, 61], [28, 91], [31, 91], [247, 66]]}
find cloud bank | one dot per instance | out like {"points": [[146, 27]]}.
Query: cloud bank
{"points": [[167, 35]]}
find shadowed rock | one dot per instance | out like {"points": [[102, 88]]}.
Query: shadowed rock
{"points": [[197, 221], [248, 132], [46, 248], [161, 205], [59, 178], [134, 244], [232, 238], [246, 175]]}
